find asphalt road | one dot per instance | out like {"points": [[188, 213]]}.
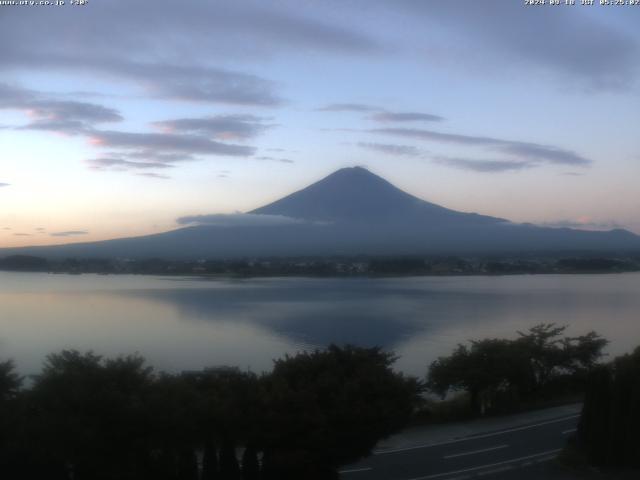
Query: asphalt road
{"points": [[481, 455]]}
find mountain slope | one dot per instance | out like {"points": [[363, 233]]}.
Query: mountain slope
{"points": [[355, 195], [350, 212]]}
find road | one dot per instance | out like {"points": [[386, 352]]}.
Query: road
{"points": [[480, 455]]}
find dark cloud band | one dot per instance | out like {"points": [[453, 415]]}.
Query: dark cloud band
{"points": [[69, 233], [220, 127], [392, 149], [486, 166], [169, 142], [531, 152]]}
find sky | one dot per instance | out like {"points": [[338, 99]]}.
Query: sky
{"points": [[119, 117]]}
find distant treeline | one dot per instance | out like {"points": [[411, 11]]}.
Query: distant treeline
{"points": [[89, 418], [329, 266]]}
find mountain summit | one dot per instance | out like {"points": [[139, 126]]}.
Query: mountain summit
{"points": [[355, 195], [350, 212], [349, 194]]}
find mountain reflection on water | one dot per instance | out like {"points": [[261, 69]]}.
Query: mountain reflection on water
{"points": [[188, 323]]}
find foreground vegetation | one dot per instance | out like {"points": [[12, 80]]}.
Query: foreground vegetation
{"points": [[88, 417], [609, 429], [541, 366], [85, 417], [499, 375]]}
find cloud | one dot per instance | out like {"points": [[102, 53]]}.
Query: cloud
{"points": [[584, 222], [380, 114], [55, 115], [153, 175], [544, 153], [177, 50], [348, 107], [68, 127], [194, 83], [486, 166], [219, 27], [121, 164], [392, 149], [239, 220], [421, 134], [199, 84], [168, 142], [514, 36], [21, 234], [185, 139], [81, 111], [137, 162], [156, 156], [273, 159], [4, 184], [220, 127], [531, 152], [69, 233], [405, 117]]}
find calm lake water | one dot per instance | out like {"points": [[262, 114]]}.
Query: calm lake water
{"points": [[181, 323]]}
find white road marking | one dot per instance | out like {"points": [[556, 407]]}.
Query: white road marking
{"points": [[481, 467], [356, 470], [475, 437], [495, 470], [571, 430], [455, 455]]}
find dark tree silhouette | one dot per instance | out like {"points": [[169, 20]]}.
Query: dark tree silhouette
{"points": [[210, 470], [250, 464], [329, 408], [482, 370], [90, 418], [524, 368], [229, 467], [10, 381], [610, 420]]}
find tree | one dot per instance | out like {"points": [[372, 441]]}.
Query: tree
{"points": [[535, 363], [250, 464], [90, 418], [229, 467], [173, 424], [483, 370], [610, 419], [330, 407], [90, 414], [10, 381], [550, 355], [210, 469], [228, 412]]}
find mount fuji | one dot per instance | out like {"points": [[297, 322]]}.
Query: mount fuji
{"points": [[350, 212]]}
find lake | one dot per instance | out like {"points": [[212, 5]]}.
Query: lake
{"points": [[185, 323]]}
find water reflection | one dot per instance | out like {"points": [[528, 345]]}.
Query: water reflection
{"points": [[305, 313], [185, 323]]}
